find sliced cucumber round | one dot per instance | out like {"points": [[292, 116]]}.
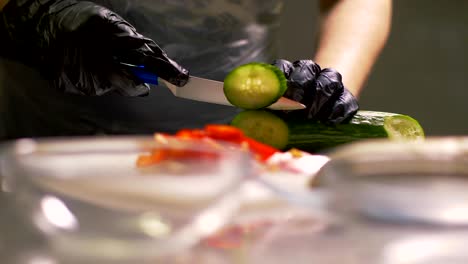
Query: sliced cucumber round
{"points": [[254, 85], [263, 127]]}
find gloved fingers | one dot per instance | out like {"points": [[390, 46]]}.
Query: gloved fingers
{"points": [[99, 84], [99, 26], [301, 76], [120, 39], [292, 92], [82, 74], [322, 91], [341, 110], [123, 35], [124, 84], [285, 66], [328, 88], [304, 73], [156, 60], [74, 44]]}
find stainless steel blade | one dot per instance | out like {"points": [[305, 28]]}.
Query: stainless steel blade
{"points": [[205, 90]]}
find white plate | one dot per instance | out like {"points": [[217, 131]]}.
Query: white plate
{"points": [[139, 191]]}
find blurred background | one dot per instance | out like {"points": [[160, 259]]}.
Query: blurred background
{"points": [[423, 70]]}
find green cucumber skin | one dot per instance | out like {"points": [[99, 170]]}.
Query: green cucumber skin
{"points": [[313, 136]]}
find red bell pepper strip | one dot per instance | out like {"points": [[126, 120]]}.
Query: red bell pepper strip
{"points": [[215, 132], [191, 134], [235, 135], [224, 132], [153, 158], [262, 151]]}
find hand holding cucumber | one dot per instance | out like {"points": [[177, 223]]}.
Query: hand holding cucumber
{"points": [[258, 85], [321, 90]]}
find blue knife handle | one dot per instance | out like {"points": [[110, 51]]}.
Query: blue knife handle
{"points": [[141, 73]]}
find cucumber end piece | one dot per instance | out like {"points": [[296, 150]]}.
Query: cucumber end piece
{"points": [[403, 127]]}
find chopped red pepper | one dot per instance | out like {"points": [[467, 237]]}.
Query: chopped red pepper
{"points": [[235, 135], [148, 160], [262, 151], [181, 154], [215, 132], [224, 132], [191, 133]]}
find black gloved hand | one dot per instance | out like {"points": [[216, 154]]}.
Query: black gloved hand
{"points": [[322, 91], [75, 45]]}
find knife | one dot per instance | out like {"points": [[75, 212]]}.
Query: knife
{"points": [[204, 90]]}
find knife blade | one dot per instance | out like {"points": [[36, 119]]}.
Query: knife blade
{"points": [[203, 90]]}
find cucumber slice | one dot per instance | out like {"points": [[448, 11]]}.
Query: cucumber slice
{"points": [[254, 85], [313, 136], [264, 127]]}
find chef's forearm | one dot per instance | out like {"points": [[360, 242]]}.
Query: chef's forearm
{"points": [[352, 35], [3, 3]]}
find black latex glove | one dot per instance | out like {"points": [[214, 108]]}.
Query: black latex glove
{"points": [[75, 44], [321, 90]]}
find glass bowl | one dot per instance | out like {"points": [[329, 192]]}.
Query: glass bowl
{"points": [[379, 201], [92, 198], [423, 182]]}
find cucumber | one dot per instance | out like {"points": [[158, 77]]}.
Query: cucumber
{"points": [[254, 85], [285, 132], [264, 127]]}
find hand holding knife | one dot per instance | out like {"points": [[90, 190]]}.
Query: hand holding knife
{"points": [[200, 89]]}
